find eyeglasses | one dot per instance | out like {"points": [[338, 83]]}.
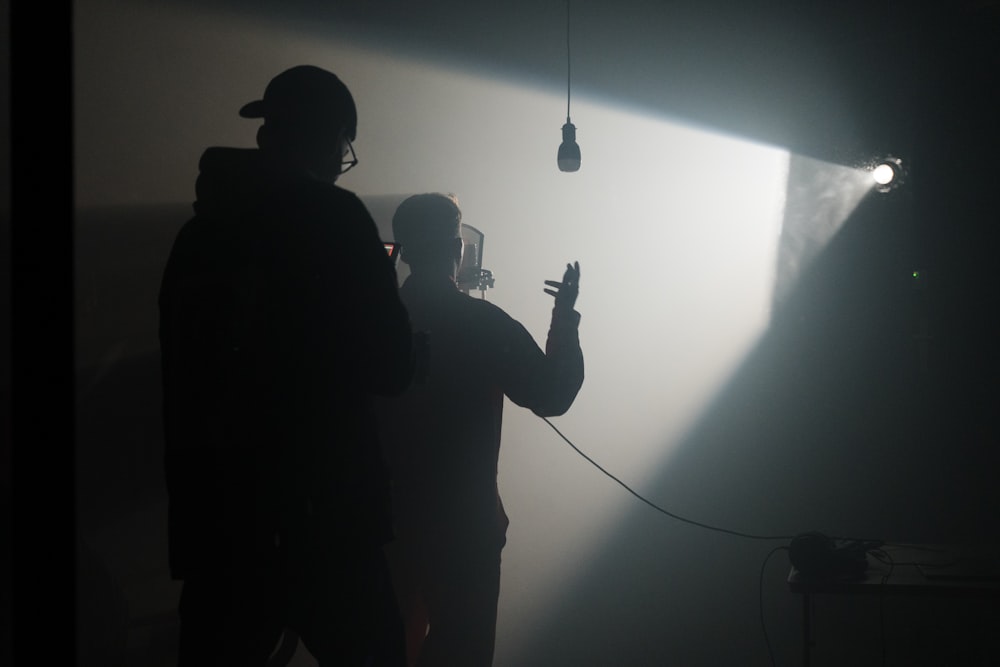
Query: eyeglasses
{"points": [[347, 165]]}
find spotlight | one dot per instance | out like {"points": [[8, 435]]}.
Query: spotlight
{"points": [[888, 173], [569, 151], [883, 174]]}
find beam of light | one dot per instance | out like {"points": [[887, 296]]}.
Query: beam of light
{"points": [[820, 196], [677, 230]]}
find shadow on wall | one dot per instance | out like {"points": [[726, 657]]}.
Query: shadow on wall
{"points": [[126, 601], [119, 254]]}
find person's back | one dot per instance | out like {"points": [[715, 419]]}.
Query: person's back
{"points": [[443, 436], [448, 426], [270, 339], [280, 319]]}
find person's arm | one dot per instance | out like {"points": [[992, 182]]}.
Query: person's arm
{"points": [[547, 383], [562, 346]]}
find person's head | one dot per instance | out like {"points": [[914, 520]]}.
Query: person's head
{"points": [[310, 120], [429, 229]]}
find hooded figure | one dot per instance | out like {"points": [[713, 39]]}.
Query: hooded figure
{"points": [[280, 320]]}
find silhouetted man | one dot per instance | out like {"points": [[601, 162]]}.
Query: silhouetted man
{"points": [[442, 436], [280, 318]]}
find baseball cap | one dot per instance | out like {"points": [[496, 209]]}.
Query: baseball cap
{"points": [[308, 95]]}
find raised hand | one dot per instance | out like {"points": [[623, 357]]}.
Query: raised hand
{"points": [[566, 291]]}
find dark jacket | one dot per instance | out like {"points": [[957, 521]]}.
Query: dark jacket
{"points": [[442, 436], [279, 319]]}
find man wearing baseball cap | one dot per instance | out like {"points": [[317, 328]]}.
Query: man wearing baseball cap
{"points": [[280, 321]]}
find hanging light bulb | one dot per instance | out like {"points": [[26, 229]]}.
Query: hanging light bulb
{"points": [[569, 151], [568, 157]]}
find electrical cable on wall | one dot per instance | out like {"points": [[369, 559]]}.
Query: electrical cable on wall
{"points": [[657, 507]]}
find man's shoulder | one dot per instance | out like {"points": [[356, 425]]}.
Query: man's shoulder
{"points": [[326, 203], [252, 179], [334, 196], [486, 311], [192, 231]]}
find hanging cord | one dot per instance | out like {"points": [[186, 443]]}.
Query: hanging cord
{"points": [[657, 507], [886, 559], [760, 583], [760, 601], [567, 61]]}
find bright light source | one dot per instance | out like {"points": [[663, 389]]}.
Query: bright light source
{"points": [[883, 174], [888, 173]]}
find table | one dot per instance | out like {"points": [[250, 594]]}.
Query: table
{"points": [[911, 569]]}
